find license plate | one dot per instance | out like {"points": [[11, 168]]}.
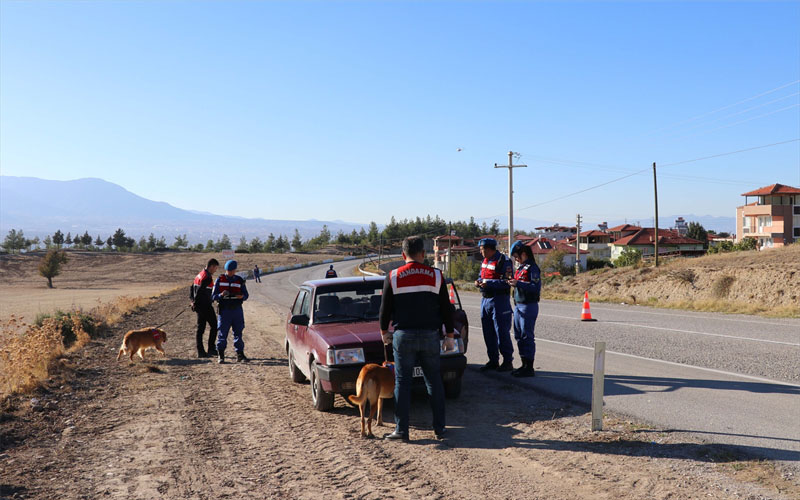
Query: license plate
{"points": [[417, 371]]}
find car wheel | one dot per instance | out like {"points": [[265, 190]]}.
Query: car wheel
{"points": [[294, 373], [452, 388], [323, 401]]}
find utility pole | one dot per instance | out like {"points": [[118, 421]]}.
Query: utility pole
{"points": [[449, 248], [578, 244], [655, 192], [510, 166]]}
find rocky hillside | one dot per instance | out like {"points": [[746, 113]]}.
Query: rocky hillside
{"points": [[753, 282]]}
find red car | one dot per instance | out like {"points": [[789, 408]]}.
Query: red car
{"points": [[332, 331]]}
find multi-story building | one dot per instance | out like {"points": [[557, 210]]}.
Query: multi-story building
{"points": [[597, 243], [681, 226], [773, 219], [556, 232]]}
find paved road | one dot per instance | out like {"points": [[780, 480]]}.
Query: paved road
{"points": [[727, 379]]}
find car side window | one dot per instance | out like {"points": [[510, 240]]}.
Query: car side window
{"points": [[306, 307], [302, 297]]}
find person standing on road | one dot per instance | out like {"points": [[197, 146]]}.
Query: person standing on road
{"points": [[527, 284], [330, 273], [202, 305], [230, 291], [495, 306], [415, 300], [257, 274]]}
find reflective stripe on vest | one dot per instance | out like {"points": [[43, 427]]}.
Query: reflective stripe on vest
{"points": [[415, 277], [489, 269]]}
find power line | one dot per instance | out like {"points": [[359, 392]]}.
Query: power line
{"points": [[730, 153], [726, 107], [740, 121]]}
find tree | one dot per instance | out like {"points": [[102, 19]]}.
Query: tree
{"points": [[15, 240], [554, 262], [151, 243], [269, 245], [47, 242], [724, 234], [297, 241], [282, 244], [256, 246], [58, 238], [223, 243], [372, 235], [243, 244], [210, 246], [68, 241], [698, 232], [495, 227], [50, 266], [86, 239], [98, 242], [180, 242], [119, 240], [34, 241], [629, 257], [747, 243]]}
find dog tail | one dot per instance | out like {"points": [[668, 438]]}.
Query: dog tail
{"points": [[356, 399]]}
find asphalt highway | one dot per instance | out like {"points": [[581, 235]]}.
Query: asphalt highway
{"points": [[728, 379]]}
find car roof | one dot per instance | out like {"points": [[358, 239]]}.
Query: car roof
{"points": [[322, 283]]}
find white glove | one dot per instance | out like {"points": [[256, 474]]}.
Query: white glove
{"points": [[387, 338], [449, 344]]}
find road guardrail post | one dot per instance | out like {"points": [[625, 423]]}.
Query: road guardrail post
{"points": [[598, 380]]}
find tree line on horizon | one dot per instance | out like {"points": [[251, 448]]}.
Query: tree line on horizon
{"points": [[391, 235]]}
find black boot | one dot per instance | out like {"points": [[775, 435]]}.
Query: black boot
{"points": [[201, 353], [221, 356], [212, 351], [491, 365], [241, 357], [507, 366], [526, 370]]}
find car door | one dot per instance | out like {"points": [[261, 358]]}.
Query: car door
{"points": [[297, 334], [459, 315]]}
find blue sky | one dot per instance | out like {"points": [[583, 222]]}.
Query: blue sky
{"points": [[356, 110]]}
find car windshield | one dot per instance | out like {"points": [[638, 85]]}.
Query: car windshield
{"points": [[361, 304]]}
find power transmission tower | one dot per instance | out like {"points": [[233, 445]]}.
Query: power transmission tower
{"points": [[510, 167], [578, 219]]}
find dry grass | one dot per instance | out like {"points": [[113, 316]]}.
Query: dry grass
{"points": [[29, 351], [722, 286]]}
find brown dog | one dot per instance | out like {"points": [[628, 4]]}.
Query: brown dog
{"points": [[373, 385], [137, 341]]}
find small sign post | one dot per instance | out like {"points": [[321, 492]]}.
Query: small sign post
{"points": [[228, 254], [598, 380]]}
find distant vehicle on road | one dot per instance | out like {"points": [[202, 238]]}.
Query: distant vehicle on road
{"points": [[332, 331]]}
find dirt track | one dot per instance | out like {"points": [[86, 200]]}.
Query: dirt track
{"points": [[188, 428]]}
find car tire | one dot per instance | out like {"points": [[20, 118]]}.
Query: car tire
{"points": [[294, 372], [452, 388], [323, 401]]}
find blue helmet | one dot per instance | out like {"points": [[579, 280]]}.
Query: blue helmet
{"points": [[231, 265], [516, 247], [488, 243]]}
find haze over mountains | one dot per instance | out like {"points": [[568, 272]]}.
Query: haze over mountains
{"points": [[40, 207]]}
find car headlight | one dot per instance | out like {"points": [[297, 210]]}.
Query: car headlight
{"points": [[458, 350], [345, 356]]}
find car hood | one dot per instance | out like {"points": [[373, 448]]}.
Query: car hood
{"points": [[338, 334]]}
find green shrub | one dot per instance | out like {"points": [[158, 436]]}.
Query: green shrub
{"points": [[628, 257], [592, 263], [465, 268], [747, 243], [66, 322]]}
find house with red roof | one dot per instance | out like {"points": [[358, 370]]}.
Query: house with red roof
{"points": [[541, 248], [597, 243], [669, 242], [773, 219]]}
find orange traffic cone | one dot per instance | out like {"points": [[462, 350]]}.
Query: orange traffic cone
{"points": [[586, 314], [452, 294]]}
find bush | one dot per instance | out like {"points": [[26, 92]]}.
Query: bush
{"points": [[592, 263], [465, 268], [50, 266], [747, 243], [628, 257], [69, 324], [554, 263], [722, 286]]}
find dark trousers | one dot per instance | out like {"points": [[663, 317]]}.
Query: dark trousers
{"points": [[206, 316], [496, 318], [417, 348], [524, 325]]}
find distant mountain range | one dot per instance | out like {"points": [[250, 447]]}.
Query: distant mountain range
{"points": [[40, 207]]}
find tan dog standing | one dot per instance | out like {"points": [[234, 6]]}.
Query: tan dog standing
{"points": [[137, 341], [374, 384]]}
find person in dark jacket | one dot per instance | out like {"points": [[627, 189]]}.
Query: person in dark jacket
{"points": [[200, 297], [496, 312], [415, 300], [257, 274], [230, 291], [527, 284], [330, 273]]}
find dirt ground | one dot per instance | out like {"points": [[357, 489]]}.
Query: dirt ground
{"points": [[766, 282], [183, 427], [92, 277]]}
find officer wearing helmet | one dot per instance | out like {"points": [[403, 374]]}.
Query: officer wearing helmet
{"points": [[230, 291], [495, 306], [527, 284]]}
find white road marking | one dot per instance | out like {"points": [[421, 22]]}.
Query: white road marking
{"points": [[683, 365], [793, 344], [604, 306]]}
